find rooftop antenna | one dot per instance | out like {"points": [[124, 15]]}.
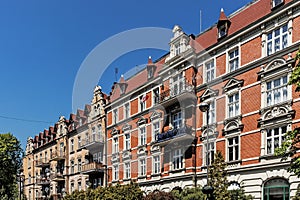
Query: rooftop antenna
{"points": [[200, 21], [116, 73]]}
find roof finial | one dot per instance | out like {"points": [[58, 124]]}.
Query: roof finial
{"points": [[150, 60]]}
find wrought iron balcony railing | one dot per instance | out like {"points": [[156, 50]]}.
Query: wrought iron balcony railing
{"points": [[174, 133], [177, 89]]}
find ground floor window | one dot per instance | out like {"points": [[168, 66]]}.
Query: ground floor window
{"points": [[276, 189]]}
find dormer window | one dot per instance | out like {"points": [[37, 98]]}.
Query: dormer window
{"points": [[179, 43], [150, 68], [222, 31], [177, 49], [122, 84], [276, 3], [122, 87], [223, 25]]}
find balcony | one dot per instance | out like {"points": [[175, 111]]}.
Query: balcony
{"points": [[42, 162], [58, 155], [43, 180], [92, 168], [92, 142], [177, 134], [180, 91], [57, 177]]}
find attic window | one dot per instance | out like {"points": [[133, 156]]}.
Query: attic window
{"points": [[150, 72], [276, 3], [223, 25], [177, 49], [122, 88], [222, 31], [150, 68]]}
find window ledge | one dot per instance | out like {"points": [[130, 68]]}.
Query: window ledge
{"points": [[177, 170], [142, 177], [155, 175], [268, 157]]}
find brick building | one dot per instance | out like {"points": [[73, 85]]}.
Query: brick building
{"points": [[69, 155], [155, 133]]}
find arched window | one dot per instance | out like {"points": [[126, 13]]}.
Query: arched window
{"points": [[276, 189]]}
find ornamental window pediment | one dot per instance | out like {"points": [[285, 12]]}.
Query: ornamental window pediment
{"points": [[233, 84], [141, 121], [209, 93], [126, 127], [233, 125], [155, 115], [115, 131]]}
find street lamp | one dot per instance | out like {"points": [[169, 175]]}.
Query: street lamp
{"points": [[20, 179], [207, 189]]}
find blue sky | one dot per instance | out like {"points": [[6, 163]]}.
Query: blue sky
{"points": [[43, 44]]}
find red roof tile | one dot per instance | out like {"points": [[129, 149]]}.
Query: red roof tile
{"points": [[222, 16]]}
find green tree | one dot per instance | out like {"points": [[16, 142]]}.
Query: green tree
{"points": [[239, 194], [11, 155], [192, 193], [112, 192], [159, 195], [218, 177]]}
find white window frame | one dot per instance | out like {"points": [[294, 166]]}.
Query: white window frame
{"points": [[234, 60], [211, 112], [115, 144], [127, 171], [235, 104], [280, 36], [142, 104], [79, 141], [94, 134], [99, 127], [72, 186], [210, 70], [272, 138], [155, 96], [177, 48], [177, 119], [235, 148], [72, 163], [177, 159], [142, 167], [282, 89], [178, 84], [276, 3], [142, 135], [115, 172], [79, 186], [115, 115], [72, 145], [155, 129], [211, 147], [127, 141], [156, 164], [126, 110]]}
